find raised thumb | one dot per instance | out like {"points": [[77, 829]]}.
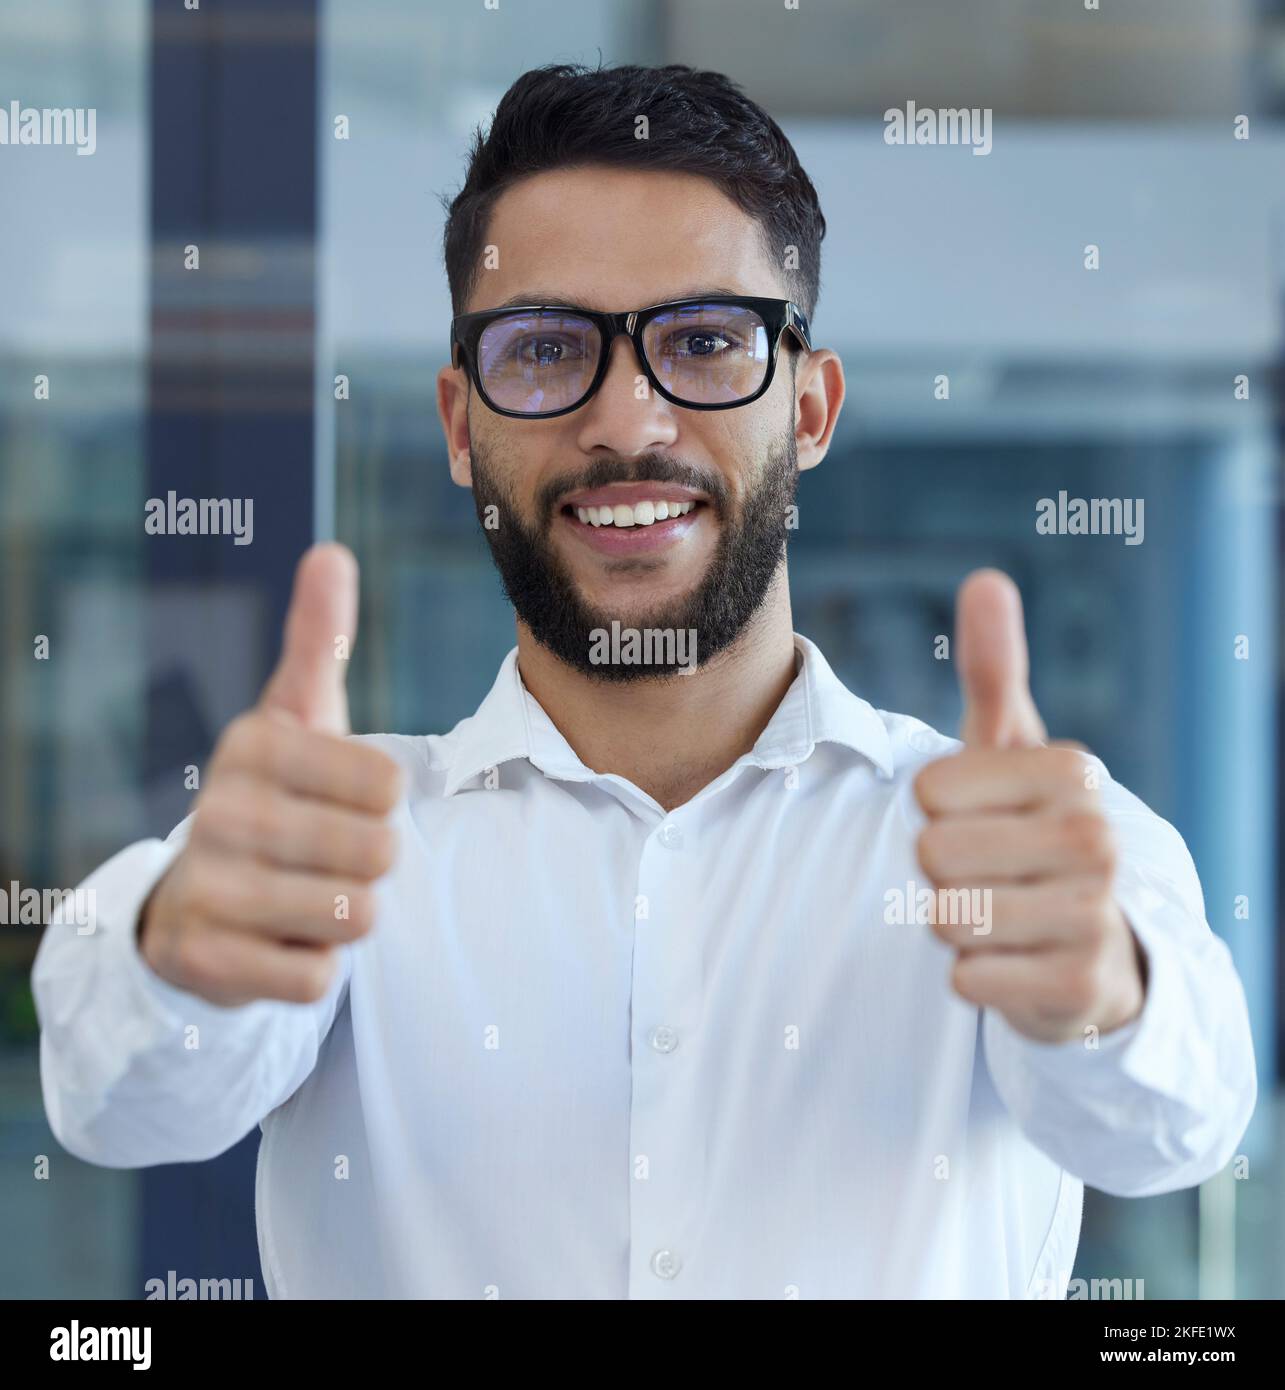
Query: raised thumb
{"points": [[993, 664], [321, 625]]}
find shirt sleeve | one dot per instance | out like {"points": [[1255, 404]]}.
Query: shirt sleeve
{"points": [[1162, 1102], [135, 1071]]}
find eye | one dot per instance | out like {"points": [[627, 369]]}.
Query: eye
{"points": [[699, 342], [545, 350], [539, 352]]}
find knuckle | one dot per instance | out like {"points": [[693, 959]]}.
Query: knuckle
{"points": [[930, 849], [1066, 764], [241, 741], [213, 812], [203, 889], [361, 909], [240, 894], [311, 977], [1091, 922], [380, 851], [264, 817], [342, 917], [961, 976], [197, 960], [1078, 987], [234, 811], [267, 744], [381, 778], [356, 846], [943, 930], [330, 845], [1088, 836], [925, 785]]}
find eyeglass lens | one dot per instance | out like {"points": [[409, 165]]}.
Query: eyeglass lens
{"points": [[705, 354]]}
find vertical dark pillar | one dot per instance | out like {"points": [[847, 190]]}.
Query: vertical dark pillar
{"points": [[233, 175]]}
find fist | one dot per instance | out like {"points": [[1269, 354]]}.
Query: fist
{"points": [[291, 832], [1018, 824]]}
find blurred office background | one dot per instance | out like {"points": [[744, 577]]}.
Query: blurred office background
{"points": [[320, 257]]}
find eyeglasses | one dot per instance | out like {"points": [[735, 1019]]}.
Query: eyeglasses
{"points": [[535, 361]]}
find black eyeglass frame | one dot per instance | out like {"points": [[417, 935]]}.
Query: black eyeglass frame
{"points": [[778, 316]]}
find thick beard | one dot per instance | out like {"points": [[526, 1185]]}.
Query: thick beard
{"points": [[717, 610]]}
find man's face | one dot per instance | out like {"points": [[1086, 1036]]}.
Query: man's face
{"points": [[617, 240]]}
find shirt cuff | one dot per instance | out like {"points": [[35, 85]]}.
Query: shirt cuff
{"points": [[1146, 1050], [137, 1009]]}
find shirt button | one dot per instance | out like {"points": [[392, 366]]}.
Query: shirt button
{"points": [[670, 835], [664, 1039], [665, 1264]]}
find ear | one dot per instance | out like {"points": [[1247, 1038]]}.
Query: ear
{"points": [[818, 398], [452, 407]]}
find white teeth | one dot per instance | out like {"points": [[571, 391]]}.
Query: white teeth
{"points": [[640, 514]]}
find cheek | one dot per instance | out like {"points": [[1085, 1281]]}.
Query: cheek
{"points": [[511, 457], [739, 453]]}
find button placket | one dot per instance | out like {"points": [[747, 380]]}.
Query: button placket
{"points": [[666, 1006]]}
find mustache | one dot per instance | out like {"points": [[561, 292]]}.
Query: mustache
{"points": [[647, 468]]}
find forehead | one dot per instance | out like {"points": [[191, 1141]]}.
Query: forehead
{"points": [[621, 239]]}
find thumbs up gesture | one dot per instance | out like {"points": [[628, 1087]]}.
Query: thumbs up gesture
{"points": [[291, 829], [1020, 820]]}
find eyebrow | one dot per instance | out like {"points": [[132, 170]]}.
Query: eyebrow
{"points": [[555, 300]]}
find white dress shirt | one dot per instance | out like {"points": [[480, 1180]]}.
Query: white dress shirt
{"points": [[592, 1049]]}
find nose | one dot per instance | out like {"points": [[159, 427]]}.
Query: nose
{"points": [[625, 415]]}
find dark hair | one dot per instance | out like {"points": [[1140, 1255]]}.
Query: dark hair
{"points": [[700, 123]]}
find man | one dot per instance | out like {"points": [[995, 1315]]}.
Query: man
{"points": [[625, 986]]}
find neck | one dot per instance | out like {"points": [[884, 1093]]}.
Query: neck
{"points": [[670, 737]]}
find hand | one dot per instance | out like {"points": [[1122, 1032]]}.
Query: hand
{"points": [[1022, 819], [291, 829]]}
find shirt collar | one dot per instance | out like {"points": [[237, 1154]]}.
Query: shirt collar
{"points": [[817, 708]]}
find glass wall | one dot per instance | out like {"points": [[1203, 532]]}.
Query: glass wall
{"points": [[122, 659], [73, 386], [1113, 383]]}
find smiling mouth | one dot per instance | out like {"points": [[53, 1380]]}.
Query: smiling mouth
{"points": [[625, 514]]}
